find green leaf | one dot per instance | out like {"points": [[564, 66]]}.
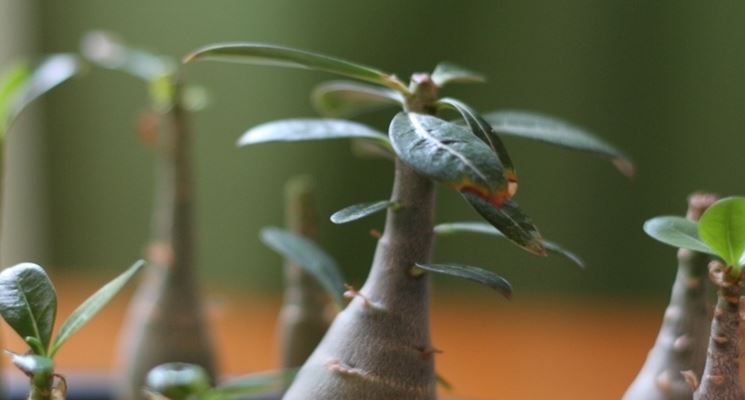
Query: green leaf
{"points": [[39, 368], [475, 274], [91, 306], [359, 211], [290, 130], [266, 54], [259, 383], [347, 98], [308, 256], [52, 71], [111, 52], [486, 229], [178, 381], [28, 301], [722, 227], [511, 221], [450, 154], [10, 82], [554, 131], [677, 232], [445, 73], [481, 128]]}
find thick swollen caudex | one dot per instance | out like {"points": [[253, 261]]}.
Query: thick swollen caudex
{"points": [[721, 377], [683, 337], [379, 347], [166, 320], [306, 313]]}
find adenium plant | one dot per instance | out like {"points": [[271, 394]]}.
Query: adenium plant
{"points": [[720, 233], [379, 346], [28, 303]]}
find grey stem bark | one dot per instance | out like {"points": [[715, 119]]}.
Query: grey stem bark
{"points": [[683, 337], [379, 347], [306, 311], [721, 378], [166, 321]]}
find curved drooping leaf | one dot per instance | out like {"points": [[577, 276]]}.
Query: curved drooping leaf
{"points": [[290, 130], [308, 256], [24, 88], [178, 380], [481, 128], [486, 229], [511, 221], [677, 232], [445, 73], [359, 211], [348, 98], [554, 131], [475, 274], [110, 51], [450, 154], [92, 305], [259, 383], [266, 54], [722, 228], [28, 301]]}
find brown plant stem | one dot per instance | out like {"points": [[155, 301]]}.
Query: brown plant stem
{"points": [[721, 377], [306, 310], [166, 321], [379, 347], [683, 337]]}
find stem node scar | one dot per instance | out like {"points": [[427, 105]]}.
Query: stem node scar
{"points": [[337, 366], [691, 379], [428, 352], [716, 379], [376, 233], [351, 293]]}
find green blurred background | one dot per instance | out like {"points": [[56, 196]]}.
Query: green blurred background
{"points": [[663, 80]]}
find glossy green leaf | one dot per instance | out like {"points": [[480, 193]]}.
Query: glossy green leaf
{"points": [[445, 73], [260, 383], [266, 54], [308, 256], [109, 51], [475, 274], [178, 381], [91, 306], [290, 130], [481, 128], [486, 229], [677, 232], [359, 211], [450, 154], [554, 131], [511, 221], [722, 228], [28, 301], [347, 98], [50, 73], [37, 367]]}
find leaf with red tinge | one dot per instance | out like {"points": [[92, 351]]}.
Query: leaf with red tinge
{"points": [[511, 221], [471, 273], [448, 153]]}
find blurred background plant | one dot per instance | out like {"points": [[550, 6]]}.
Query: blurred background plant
{"points": [[664, 81]]}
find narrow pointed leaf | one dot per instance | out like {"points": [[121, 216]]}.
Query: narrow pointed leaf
{"points": [[91, 306], [266, 54], [475, 274], [445, 73], [260, 383], [52, 71], [178, 380], [308, 256], [481, 128], [109, 51], [511, 221], [347, 98], [722, 228], [554, 131], [28, 301], [677, 232], [10, 82], [450, 154], [291, 130], [486, 229], [359, 211]]}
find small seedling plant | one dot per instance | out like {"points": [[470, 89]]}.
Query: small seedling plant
{"points": [[721, 233], [379, 346], [28, 303]]}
